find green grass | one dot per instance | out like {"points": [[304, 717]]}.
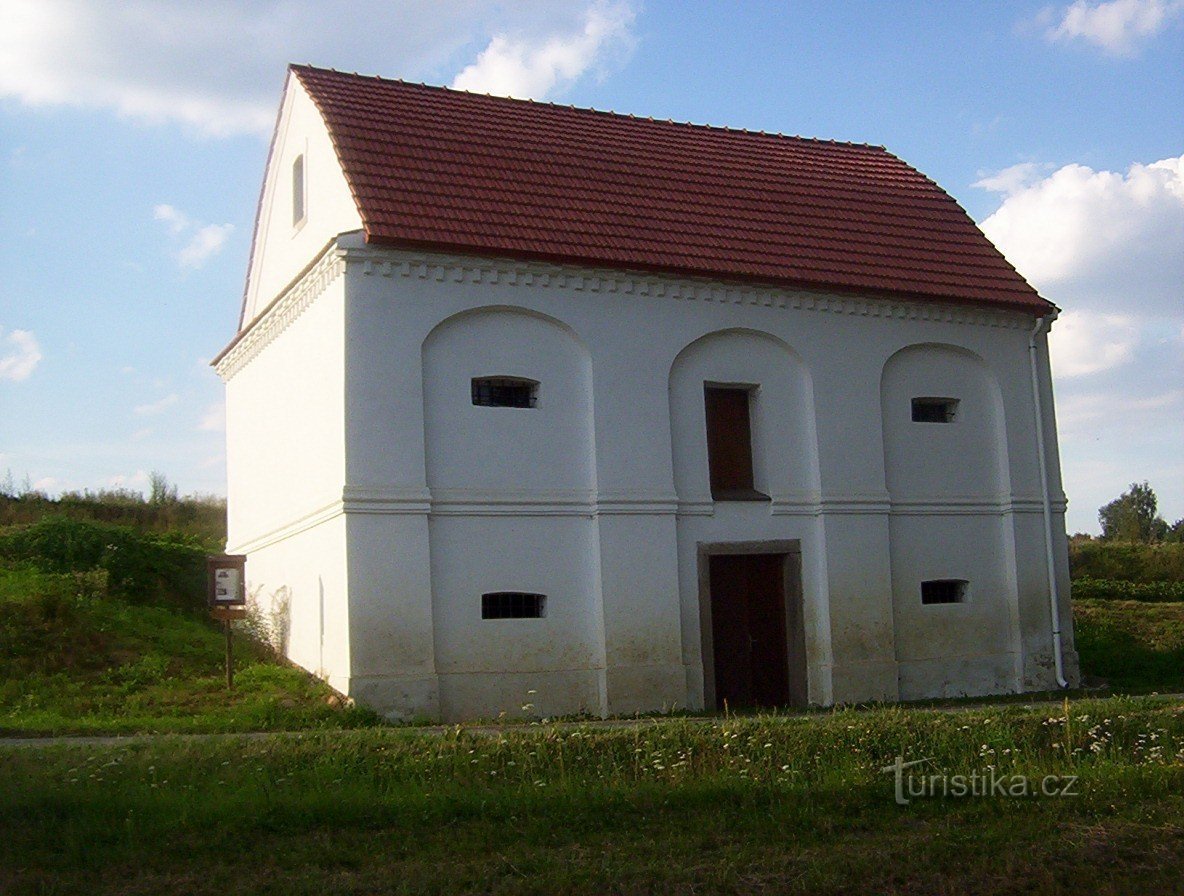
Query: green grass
{"points": [[1133, 645], [762, 804], [74, 660]]}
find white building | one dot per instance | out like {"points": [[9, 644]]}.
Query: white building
{"points": [[539, 405]]}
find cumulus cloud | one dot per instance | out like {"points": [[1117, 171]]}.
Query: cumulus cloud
{"points": [[202, 241], [1107, 246], [177, 221], [531, 67], [1118, 26], [19, 355], [1107, 239], [205, 243], [218, 65], [1084, 342], [159, 406]]}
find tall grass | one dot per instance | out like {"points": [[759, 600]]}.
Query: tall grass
{"points": [[736, 805]]}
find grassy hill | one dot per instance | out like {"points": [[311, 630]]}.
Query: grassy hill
{"points": [[103, 629]]}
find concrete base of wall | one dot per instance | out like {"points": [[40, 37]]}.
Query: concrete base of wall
{"points": [[490, 695], [1040, 670], [634, 689], [865, 682], [976, 676], [398, 697]]}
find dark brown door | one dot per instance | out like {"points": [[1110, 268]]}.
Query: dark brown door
{"points": [[748, 630]]}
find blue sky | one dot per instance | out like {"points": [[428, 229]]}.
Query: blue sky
{"points": [[133, 137]]}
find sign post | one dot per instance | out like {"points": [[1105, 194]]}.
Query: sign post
{"points": [[227, 597]]}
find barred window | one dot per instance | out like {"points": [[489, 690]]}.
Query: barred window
{"points": [[934, 410], [943, 591], [513, 605], [505, 392]]}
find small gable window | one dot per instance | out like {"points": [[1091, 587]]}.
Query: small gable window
{"points": [[944, 591], [298, 191], [935, 410], [513, 605], [505, 392]]}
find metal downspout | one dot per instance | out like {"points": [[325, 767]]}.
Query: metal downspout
{"points": [[1042, 326]]}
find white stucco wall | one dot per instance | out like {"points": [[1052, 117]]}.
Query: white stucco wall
{"points": [[599, 497]]}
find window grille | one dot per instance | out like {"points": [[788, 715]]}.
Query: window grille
{"points": [[513, 605], [505, 392], [943, 591], [934, 410]]}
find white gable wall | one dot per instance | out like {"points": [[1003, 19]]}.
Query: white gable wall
{"points": [[282, 248]]}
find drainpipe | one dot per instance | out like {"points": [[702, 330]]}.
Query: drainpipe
{"points": [[1042, 326]]}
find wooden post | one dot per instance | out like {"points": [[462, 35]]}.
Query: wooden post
{"points": [[227, 597], [229, 657]]}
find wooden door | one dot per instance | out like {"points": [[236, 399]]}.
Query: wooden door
{"points": [[748, 630]]}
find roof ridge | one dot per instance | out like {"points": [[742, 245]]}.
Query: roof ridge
{"points": [[588, 109]]}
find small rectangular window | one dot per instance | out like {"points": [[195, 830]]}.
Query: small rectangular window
{"points": [[729, 443], [513, 605], [298, 190], [943, 591], [505, 392], [934, 410]]}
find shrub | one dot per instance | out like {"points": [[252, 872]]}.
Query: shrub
{"points": [[167, 570], [1126, 562]]}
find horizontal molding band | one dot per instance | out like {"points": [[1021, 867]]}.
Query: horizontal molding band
{"points": [[580, 503], [454, 268], [286, 308]]}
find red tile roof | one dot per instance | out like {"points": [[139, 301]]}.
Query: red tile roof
{"points": [[445, 169]]}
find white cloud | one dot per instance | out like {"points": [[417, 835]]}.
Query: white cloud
{"points": [[176, 220], [203, 242], [19, 355], [1084, 342], [532, 66], [1008, 181], [1117, 26], [153, 408], [206, 243], [218, 65], [1109, 248], [1108, 240], [214, 419]]}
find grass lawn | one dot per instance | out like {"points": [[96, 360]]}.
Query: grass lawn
{"points": [[75, 662], [1134, 646], [758, 804]]}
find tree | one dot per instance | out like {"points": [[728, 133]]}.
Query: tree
{"points": [[1133, 516], [161, 492]]}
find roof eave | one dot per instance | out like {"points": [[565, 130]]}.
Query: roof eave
{"points": [[1038, 306]]}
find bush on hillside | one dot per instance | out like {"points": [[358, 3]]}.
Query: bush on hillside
{"points": [[161, 512], [142, 568], [1126, 562]]}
